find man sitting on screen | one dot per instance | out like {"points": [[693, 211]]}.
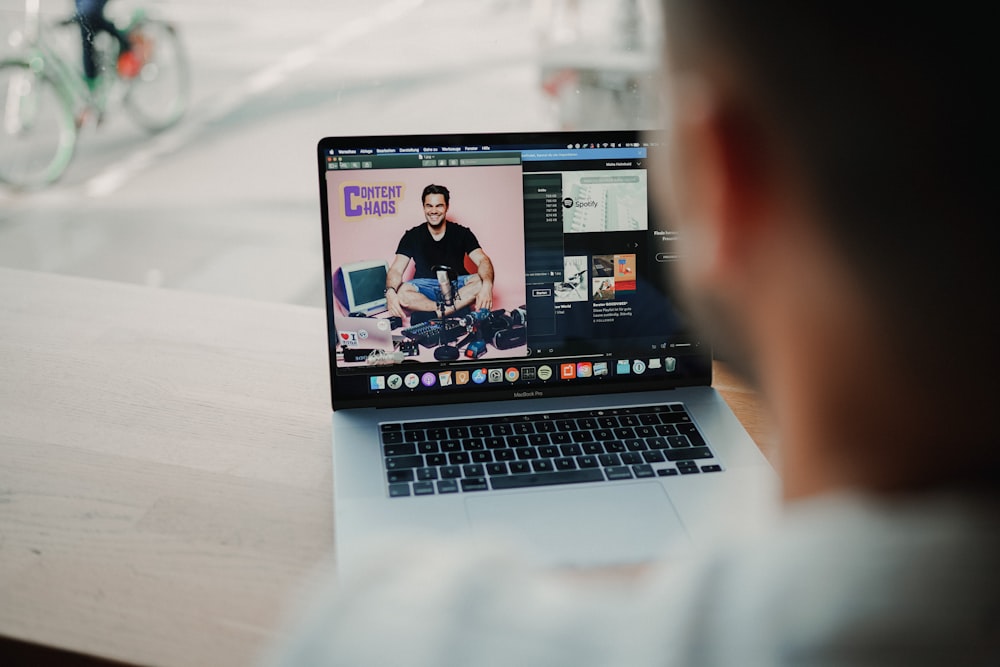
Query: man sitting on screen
{"points": [[438, 242]]}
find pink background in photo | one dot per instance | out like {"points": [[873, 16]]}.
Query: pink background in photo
{"points": [[487, 200]]}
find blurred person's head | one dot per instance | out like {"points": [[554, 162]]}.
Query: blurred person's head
{"points": [[831, 176]]}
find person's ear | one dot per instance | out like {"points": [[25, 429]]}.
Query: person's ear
{"points": [[726, 185]]}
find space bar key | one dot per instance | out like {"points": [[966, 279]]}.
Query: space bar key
{"points": [[547, 478]]}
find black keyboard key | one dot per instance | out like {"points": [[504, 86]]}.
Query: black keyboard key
{"points": [[624, 432], [565, 464], [447, 486], [436, 459], [458, 432], [607, 422], [587, 461], [545, 426], [523, 428], [472, 444], [525, 453], [689, 454], [459, 458], [691, 431], [635, 445], [614, 447], [402, 462], [423, 488], [566, 425], [665, 430], [571, 450], [618, 472], [504, 455], [586, 423], [560, 438], [391, 427], [593, 448], [502, 429], [425, 474], [688, 467], [548, 452], [403, 449], [545, 479], [631, 458], [649, 420], [474, 484], [517, 441], [542, 465], [628, 420], [711, 468], [399, 490], [644, 431], [643, 470], [675, 418], [495, 442], [480, 431], [583, 436], [678, 441], [654, 456], [415, 436], [609, 460], [496, 468], [667, 472], [482, 457], [428, 448], [602, 434], [451, 446], [539, 439], [520, 467], [657, 443], [392, 437], [437, 433], [473, 470], [400, 476], [450, 472]]}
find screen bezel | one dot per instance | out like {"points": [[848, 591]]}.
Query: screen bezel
{"points": [[697, 369]]}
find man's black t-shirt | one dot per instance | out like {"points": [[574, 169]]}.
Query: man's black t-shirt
{"points": [[418, 244]]}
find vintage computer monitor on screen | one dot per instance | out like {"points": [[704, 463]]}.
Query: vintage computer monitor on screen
{"points": [[364, 285]]}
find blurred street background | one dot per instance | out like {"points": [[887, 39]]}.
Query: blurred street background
{"points": [[227, 200]]}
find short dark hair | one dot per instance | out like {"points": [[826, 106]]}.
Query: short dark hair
{"points": [[436, 190], [888, 114]]}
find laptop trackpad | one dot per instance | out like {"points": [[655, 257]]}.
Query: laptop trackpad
{"points": [[607, 525]]}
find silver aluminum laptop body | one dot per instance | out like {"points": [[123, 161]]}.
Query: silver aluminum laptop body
{"points": [[373, 194]]}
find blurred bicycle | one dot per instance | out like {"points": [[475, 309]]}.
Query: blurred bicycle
{"points": [[45, 99]]}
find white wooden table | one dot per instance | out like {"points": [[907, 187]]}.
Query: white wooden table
{"points": [[165, 475]]}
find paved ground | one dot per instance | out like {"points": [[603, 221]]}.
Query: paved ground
{"points": [[226, 202]]}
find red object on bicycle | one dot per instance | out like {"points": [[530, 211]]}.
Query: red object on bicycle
{"points": [[129, 65]]}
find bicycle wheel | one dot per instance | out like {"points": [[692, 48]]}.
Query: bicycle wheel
{"points": [[37, 128], [158, 96]]}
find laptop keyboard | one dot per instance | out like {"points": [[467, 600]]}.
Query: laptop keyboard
{"points": [[519, 451]]}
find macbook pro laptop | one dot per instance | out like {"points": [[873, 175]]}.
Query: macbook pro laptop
{"points": [[567, 408]]}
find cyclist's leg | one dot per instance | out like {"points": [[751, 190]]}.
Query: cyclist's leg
{"points": [[90, 14], [84, 17]]}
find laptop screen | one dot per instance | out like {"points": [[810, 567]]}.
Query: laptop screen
{"points": [[499, 266]]}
